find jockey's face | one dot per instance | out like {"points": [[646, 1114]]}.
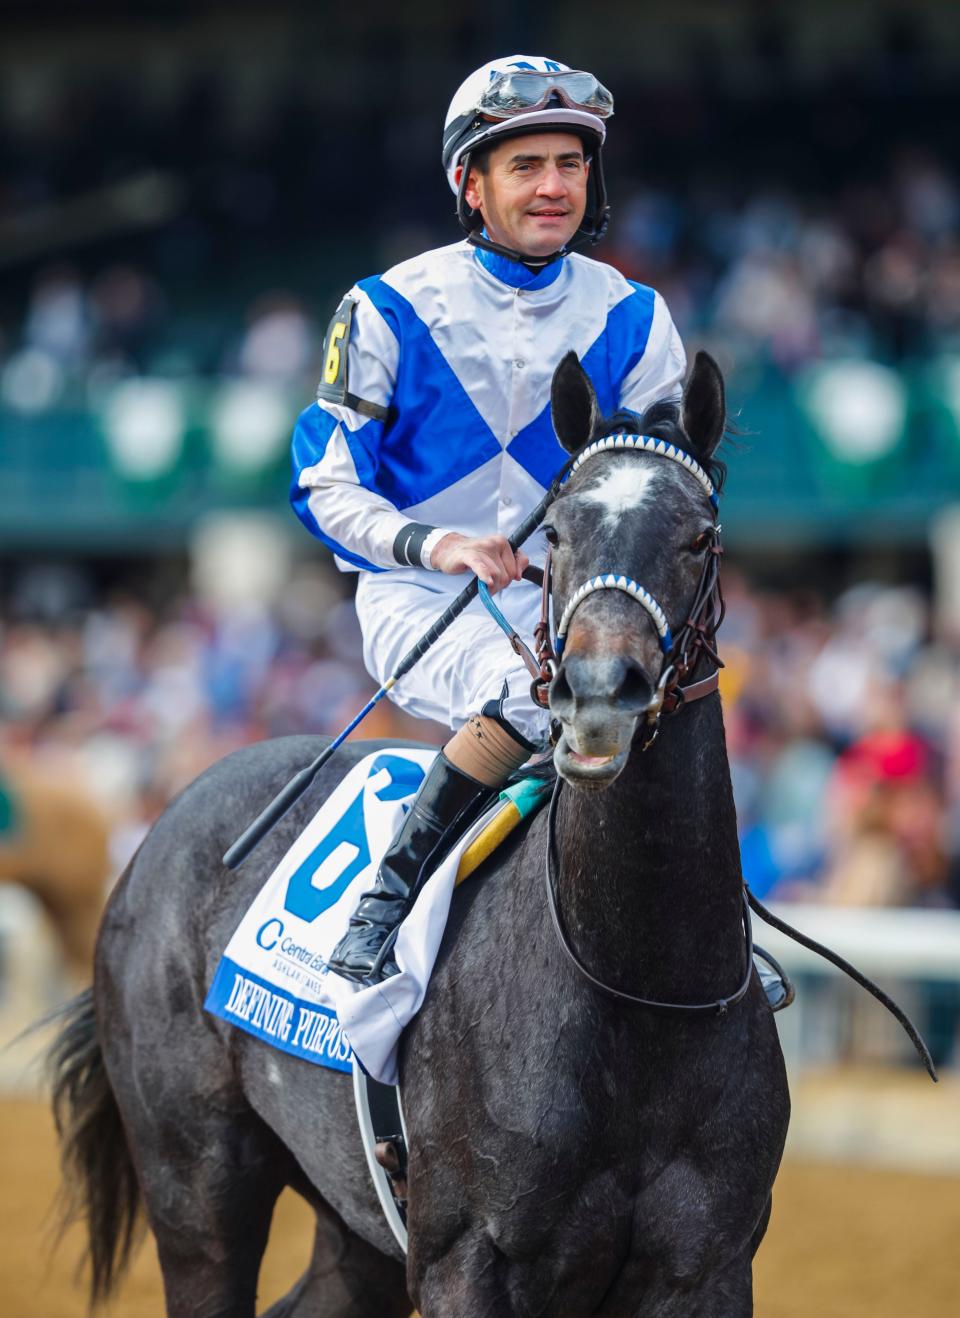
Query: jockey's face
{"points": [[533, 193]]}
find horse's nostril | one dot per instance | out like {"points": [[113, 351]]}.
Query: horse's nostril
{"points": [[616, 682], [561, 696], [635, 691]]}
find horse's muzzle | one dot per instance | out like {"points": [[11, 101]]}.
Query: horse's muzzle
{"points": [[598, 701]]}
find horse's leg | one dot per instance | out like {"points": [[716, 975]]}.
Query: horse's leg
{"points": [[725, 1292], [761, 1229], [210, 1170], [210, 1201], [346, 1277]]}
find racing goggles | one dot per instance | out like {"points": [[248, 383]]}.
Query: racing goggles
{"points": [[520, 90]]}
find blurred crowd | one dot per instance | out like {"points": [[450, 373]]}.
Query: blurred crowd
{"points": [[843, 720], [777, 277], [135, 701], [869, 270], [844, 731], [205, 223], [81, 336]]}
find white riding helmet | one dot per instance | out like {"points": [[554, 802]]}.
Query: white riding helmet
{"points": [[526, 94]]}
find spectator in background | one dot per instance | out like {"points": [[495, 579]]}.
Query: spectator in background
{"points": [[841, 791], [141, 699], [128, 311], [59, 321], [281, 341], [888, 817]]}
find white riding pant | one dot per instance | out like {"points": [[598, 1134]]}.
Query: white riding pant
{"points": [[470, 664]]}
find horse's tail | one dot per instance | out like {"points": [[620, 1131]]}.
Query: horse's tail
{"points": [[99, 1180]]}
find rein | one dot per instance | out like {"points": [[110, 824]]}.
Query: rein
{"points": [[681, 655], [695, 638], [719, 1006]]}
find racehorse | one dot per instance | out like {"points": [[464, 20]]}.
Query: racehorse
{"points": [[571, 1152], [54, 841]]}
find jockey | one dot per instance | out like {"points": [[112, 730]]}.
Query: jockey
{"points": [[431, 437]]}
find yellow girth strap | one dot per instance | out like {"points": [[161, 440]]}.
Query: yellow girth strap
{"points": [[519, 801]]}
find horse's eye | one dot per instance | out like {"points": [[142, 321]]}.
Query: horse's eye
{"points": [[701, 542], [551, 535]]}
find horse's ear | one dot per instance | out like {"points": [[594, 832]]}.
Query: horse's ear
{"points": [[573, 402], [704, 406]]}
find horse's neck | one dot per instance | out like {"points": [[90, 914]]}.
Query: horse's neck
{"points": [[650, 870]]}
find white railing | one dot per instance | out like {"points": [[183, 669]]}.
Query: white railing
{"points": [[914, 955], [889, 942], [860, 1092]]}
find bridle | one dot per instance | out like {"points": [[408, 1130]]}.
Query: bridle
{"points": [[681, 654], [696, 636]]}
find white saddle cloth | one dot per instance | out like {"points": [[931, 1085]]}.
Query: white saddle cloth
{"points": [[273, 979]]}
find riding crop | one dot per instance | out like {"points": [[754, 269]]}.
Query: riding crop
{"points": [[298, 784]]}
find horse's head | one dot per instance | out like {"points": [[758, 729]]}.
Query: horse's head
{"points": [[639, 516]]}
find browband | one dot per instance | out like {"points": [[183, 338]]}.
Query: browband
{"points": [[647, 444]]}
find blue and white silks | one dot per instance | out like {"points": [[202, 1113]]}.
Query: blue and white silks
{"points": [[273, 980], [462, 344]]}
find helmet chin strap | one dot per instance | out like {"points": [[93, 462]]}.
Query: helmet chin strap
{"points": [[532, 262]]}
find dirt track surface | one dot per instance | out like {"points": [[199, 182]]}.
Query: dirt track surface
{"points": [[844, 1242]]}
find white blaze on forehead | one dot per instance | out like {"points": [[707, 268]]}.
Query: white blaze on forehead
{"points": [[622, 488]]}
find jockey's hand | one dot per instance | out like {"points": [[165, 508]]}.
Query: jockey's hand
{"points": [[489, 557]]}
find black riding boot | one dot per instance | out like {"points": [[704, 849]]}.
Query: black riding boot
{"points": [[447, 803]]}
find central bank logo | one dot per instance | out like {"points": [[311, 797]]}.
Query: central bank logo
{"points": [[269, 934]]}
